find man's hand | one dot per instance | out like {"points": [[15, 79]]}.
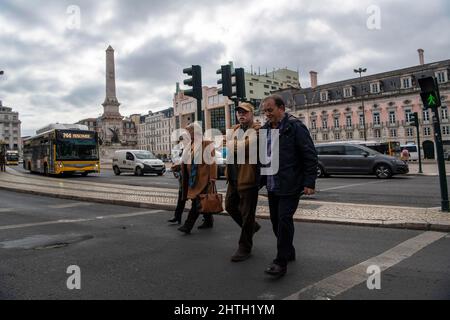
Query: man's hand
{"points": [[308, 191]]}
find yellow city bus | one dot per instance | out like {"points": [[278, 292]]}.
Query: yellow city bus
{"points": [[12, 157], [62, 151]]}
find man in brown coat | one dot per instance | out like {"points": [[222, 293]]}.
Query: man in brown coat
{"points": [[242, 177]]}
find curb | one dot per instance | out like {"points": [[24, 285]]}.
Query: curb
{"points": [[350, 222]]}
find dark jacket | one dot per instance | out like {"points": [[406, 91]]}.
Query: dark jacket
{"points": [[297, 160]]}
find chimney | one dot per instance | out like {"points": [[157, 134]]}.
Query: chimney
{"points": [[313, 79], [421, 57]]}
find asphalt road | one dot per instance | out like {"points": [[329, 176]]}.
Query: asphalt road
{"points": [[129, 253], [405, 190]]}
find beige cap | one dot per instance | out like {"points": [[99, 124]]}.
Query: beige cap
{"points": [[246, 106]]}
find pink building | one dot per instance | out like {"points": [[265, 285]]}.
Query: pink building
{"points": [[380, 103]]}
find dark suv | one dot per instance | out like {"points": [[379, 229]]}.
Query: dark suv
{"points": [[354, 159]]}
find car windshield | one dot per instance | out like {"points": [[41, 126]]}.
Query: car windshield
{"points": [[145, 155]]}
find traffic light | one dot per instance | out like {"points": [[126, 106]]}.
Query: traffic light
{"points": [[195, 82], [414, 118], [239, 74], [429, 93], [225, 81]]}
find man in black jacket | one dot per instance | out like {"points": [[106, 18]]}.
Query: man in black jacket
{"points": [[296, 175]]}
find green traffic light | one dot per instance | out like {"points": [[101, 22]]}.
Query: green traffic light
{"points": [[431, 100]]}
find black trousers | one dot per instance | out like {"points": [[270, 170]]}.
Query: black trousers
{"points": [[181, 204], [282, 210], [241, 206], [194, 213]]}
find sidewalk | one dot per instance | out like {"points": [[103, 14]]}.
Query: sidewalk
{"points": [[429, 168], [166, 199]]}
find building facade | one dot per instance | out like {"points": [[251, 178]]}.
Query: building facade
{"points": [[10, 128], [154, 132], [380, 104]]}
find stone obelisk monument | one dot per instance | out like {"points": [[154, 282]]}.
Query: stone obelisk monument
{"points": [[111, 120]]}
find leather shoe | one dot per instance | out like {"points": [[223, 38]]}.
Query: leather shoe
{"points": [[276, 270], [240, 255], [184, 229], [205, 225], [173, 220]]}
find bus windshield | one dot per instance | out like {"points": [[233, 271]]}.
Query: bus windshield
{"points": [[12, 156], [75, 149]]}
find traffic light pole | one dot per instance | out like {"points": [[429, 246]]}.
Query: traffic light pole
{"points": [[418, 147], [441, 163]]}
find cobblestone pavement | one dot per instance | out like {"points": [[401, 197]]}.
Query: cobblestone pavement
{"points": [[160, 198]]}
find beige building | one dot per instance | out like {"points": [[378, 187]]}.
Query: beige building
{"points": [[257, 87], [10, 134], [154, 132]]}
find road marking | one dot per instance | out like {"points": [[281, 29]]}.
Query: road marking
{"points": [[113, 216], [351, 185], [7, 210], [71, 205], [345, 280]]}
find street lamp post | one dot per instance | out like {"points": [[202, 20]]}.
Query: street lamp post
{"points": [[360, 71]]}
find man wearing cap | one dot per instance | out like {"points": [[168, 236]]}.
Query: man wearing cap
{"points": [[242, 178]]}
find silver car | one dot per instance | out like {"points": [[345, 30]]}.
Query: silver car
{"points": [[354, 159]]}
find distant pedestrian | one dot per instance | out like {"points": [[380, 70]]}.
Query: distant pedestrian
{"points": [[296, 175], [2, 160], [404, 155]]}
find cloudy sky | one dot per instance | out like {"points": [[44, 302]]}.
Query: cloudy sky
{"points": [[53, 52]]}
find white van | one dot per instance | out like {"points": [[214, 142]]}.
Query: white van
{"points": [[413, 151], [138, 162]]}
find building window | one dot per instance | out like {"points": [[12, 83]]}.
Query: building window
{"points": [[313, 124], [375, 88], [325, 137], [406, 83], [361, 134], [274, 88], [426, 116], [377, 133], [441, 76], [408, 114], [250, 84], [347, 92], [266, 86], [251, 91], [218, 119], [393, 133], [446, 130], [349, 135], [324, 124], [361, 119], [410, 132], [336, 122], [314, 137], [376, 118], [348, 121], [444, 113], [337, 136], [266, 93], [324, 96], [392, 117], [427, 131]]}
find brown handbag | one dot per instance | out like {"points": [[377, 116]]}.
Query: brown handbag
{"points": [[211, 202]]}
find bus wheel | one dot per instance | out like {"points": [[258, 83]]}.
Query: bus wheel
{"points": [[84, 174]]}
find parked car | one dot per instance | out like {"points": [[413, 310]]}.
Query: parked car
{"points": [[137, 161], [353, 159]]}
